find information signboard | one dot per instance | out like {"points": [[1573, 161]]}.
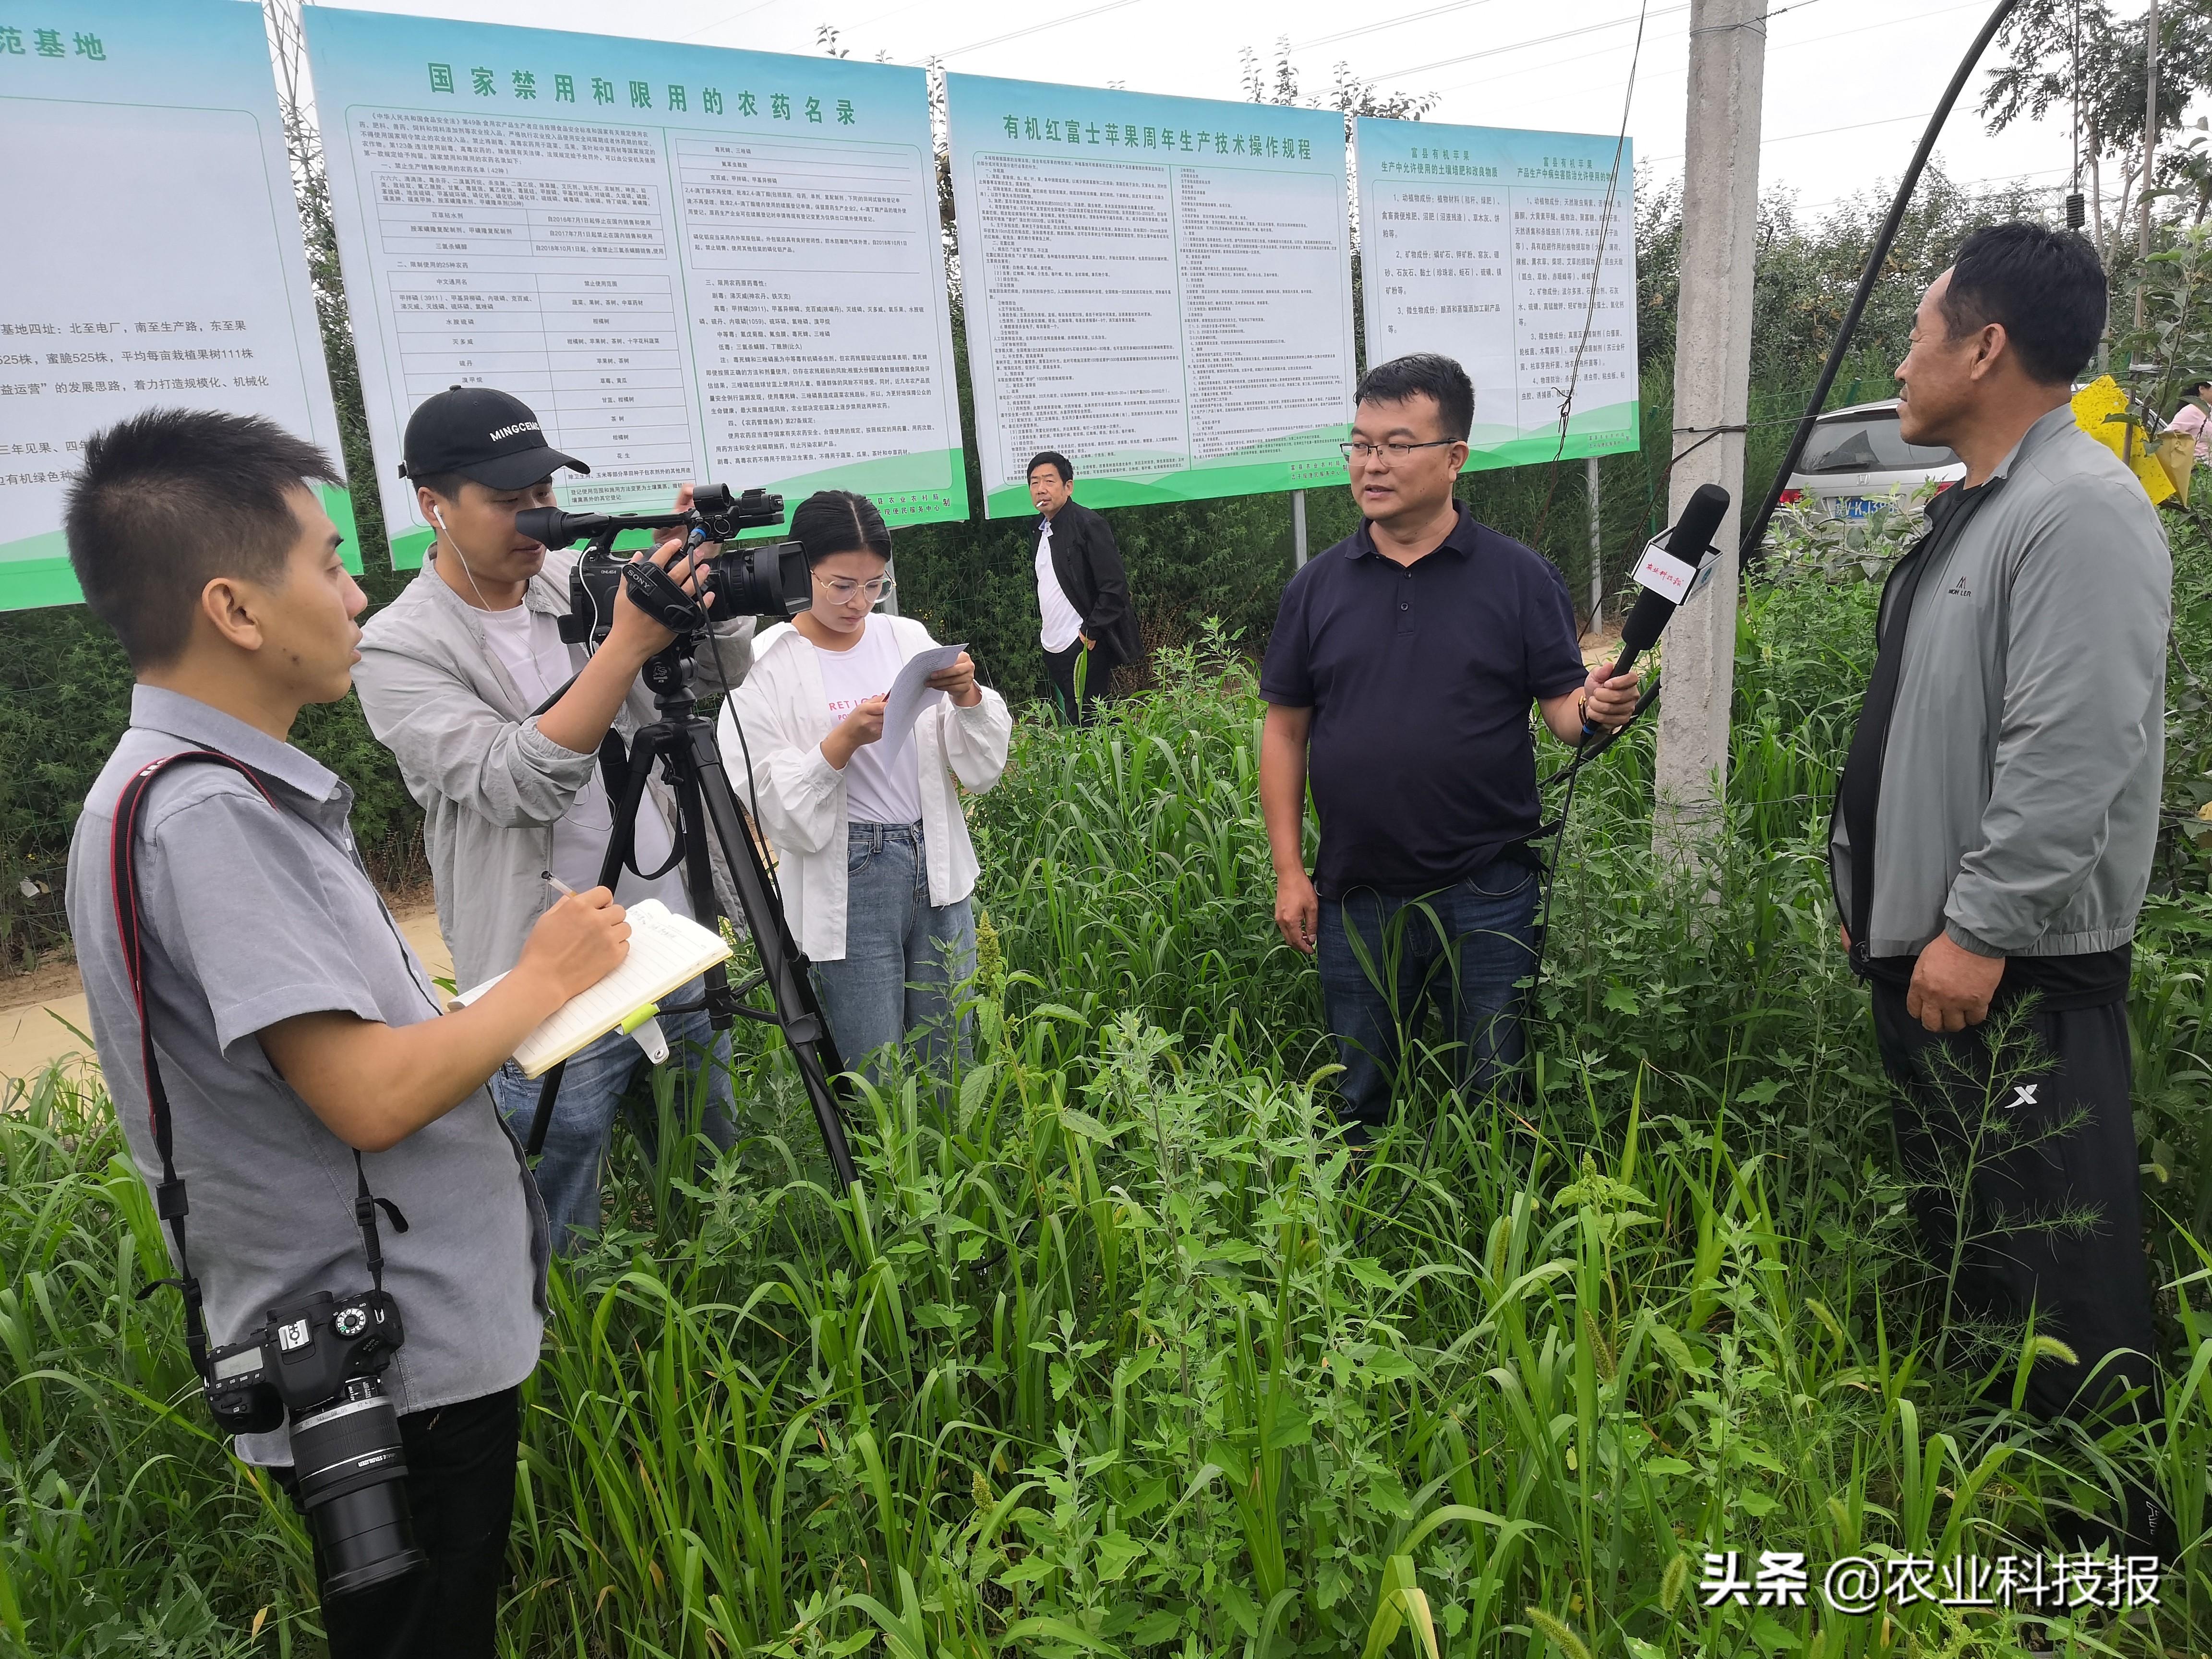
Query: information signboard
{"points": [[693, 263], [1514, 253], [151, 255], [1159, 288]]}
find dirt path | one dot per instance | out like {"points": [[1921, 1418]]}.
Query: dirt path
{"points": [[36, 1029]]}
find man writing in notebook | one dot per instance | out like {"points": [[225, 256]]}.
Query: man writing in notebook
{"points": [[291, 1025], [453, 675]]}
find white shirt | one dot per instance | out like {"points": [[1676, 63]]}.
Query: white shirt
{"points": [[881, 785], [1062, 621], [528, 644], [802, 797]]}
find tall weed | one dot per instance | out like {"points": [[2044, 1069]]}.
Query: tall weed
{"points": [[1120, 1352]]}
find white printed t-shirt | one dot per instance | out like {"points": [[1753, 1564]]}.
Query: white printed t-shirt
{"points": [[528, 644], [879, 788]]}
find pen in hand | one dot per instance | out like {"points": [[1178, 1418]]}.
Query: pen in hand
{"points": [[557, 885]]}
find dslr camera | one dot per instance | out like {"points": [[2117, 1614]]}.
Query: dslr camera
{"points": [[321, 1360], [769, 579]]}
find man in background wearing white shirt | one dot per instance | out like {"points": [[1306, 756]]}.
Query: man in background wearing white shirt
{"points": [[1089, 626], [450, 674]]}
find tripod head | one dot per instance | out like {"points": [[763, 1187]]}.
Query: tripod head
{"points": [[670, 675]]}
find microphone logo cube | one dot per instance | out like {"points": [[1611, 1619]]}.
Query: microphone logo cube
{"points": [[1664, 574]]}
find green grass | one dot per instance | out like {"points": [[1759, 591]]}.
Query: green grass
{"points": [[1119, 1353]]}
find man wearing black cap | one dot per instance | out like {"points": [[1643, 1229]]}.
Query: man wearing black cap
{"points": [[450, 674]]}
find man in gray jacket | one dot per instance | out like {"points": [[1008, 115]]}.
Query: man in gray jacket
{"points": [[451, 673], [1994, 828]]}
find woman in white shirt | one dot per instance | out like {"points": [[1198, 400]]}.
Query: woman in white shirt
{"points": [[876, 866]]}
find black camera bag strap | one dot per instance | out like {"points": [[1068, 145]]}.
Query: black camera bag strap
{"points": [[169, 1202]]}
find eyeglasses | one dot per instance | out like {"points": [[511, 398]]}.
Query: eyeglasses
{"points": [[1355, 451], [842, 589]]}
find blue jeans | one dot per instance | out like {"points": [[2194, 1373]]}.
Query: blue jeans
{"points": [[592, 1090], [1385, 960], [904, 955]]}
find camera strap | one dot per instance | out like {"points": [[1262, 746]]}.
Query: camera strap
{"points": [[169, 1199], [662, 597]]}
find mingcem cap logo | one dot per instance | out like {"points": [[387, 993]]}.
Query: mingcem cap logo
{"points": [[481, 433]]}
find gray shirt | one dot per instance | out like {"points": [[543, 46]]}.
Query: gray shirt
{"points": [[252, 916], [2020, 779], [491, 785]]}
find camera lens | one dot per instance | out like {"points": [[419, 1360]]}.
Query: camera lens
{"points": [[769, 579], [352, 1473]]}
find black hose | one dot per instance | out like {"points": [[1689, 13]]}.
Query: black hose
{"points": [[1747, 550]]}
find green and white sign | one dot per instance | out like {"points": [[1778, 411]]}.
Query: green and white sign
{"points": [[151, 255], [693, 263], [1159, 288], [1514, 253]]}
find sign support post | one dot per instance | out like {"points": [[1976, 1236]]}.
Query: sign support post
{"points": [[1597, 549]]}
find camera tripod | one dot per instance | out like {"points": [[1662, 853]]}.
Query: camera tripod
{"points": [[681, 741]]}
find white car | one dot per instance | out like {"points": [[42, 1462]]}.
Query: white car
{"points": [[1856, 464]]}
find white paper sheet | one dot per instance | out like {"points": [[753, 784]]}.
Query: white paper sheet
{"points": [[910, 694]]}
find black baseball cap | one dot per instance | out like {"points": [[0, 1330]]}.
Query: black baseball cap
{"points": [[480, 434]]}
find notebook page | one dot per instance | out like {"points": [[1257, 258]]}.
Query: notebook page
{"points": [[665, 951]]}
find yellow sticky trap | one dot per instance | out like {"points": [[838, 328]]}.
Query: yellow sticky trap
{"points": [[649, 1012], [2093, 405]]}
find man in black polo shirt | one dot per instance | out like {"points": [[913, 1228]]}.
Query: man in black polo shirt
{"points": [[1401, 670]]}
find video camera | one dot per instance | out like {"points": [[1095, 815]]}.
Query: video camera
{"points": [[770, 579]]}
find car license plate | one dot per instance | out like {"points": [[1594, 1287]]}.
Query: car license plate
{"points": [[1862, 506]]}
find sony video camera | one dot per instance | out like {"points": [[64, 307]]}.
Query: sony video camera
{"points": [[320, 1361], [768, 579]]}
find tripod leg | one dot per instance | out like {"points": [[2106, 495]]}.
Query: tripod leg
{"points": [[642, 755], [544, 1120], [698, 883], [782, 965]]}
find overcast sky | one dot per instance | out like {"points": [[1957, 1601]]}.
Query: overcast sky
{"points": [[1849, 83]]}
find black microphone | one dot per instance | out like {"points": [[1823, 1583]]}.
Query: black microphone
{"points": [[1687, 544]]}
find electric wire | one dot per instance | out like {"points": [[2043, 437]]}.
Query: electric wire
{"points": [[1037, 28], [1754, 530], [1589, 308], [1386, 23]]}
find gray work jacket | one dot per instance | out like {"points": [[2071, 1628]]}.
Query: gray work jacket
{"points": [[2021, 776], [490, 784]]}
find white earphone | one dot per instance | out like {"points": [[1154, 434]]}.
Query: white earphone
{"points": [[463, 558]]}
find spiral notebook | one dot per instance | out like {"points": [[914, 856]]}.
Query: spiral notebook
{"points": [[665, 951]]}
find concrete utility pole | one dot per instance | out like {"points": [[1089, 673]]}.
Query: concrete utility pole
{"points": [[1712, 380]]}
